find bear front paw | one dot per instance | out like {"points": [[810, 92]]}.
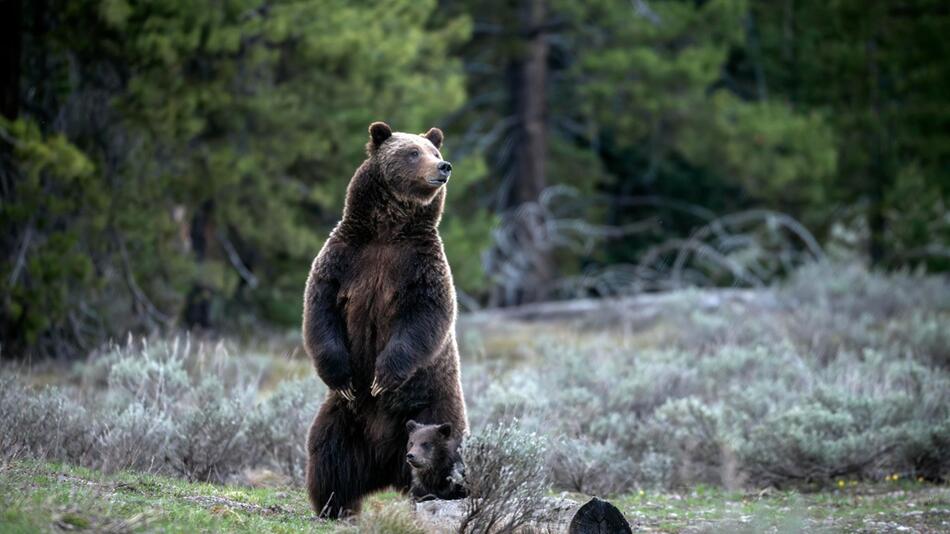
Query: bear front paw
{"points": [[348, 393], [386, 380], [335, 373]]}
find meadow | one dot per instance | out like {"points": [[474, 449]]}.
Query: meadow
{"points": [[820, 404]]}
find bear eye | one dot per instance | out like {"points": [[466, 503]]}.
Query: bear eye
{"points": [[426, 445], [414, 153]]}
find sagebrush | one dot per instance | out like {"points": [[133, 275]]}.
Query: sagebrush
{"points": [[839, 373], [170, 407]]}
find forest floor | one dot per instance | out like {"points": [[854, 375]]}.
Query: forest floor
{"points": [[48, 497]]}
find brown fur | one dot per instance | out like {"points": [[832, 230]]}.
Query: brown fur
{"points": [[379, 309], [433, 455]]}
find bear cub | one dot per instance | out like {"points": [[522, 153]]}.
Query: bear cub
{"points": [[434, 458]]}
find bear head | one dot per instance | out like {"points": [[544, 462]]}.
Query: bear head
{"points": [[429, 446], [410, 165]]}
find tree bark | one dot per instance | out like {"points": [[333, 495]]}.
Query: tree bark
{"points": [[197, 312], [880, 169], [532, 106], [527, 77]]}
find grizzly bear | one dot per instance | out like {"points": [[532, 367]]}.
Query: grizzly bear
{"points": [[379, 323], [435, 462]]}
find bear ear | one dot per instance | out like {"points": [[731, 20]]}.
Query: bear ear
{"points": [[379, 132], [411, 425], [434, 135], [445, 429]]}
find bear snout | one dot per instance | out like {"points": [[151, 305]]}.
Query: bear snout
{"points": [[445, 168]]}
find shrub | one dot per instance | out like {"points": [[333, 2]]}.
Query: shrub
{"points": [[166, 406], [392, 518], [591, 467], [278, 426], [211, 439], [850, 289], [504, 475], [832, 375], [44, 423], [820, 441], [135, 438], [690, 433], [925, 451], [841, 372]]}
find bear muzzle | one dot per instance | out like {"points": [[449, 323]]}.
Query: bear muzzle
{"points": [[445, 171], [413, 461]]}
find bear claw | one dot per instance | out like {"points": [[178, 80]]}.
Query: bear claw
{"points": [[376, 389]]}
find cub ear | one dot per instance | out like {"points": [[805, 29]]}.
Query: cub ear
{"points": [[411, 425], [445, 429], [434, 135], [379, 132]]}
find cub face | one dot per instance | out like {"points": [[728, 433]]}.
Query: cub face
{"points": [[411, 165], [428, 445]]}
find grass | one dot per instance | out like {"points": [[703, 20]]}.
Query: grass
{"points": [[881, 507], [50, 497], [40, 497]]}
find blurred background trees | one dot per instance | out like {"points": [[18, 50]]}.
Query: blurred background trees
{"points": [[170, 163]]}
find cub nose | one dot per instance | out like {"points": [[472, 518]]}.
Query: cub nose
{"points": [[410, 456], [445, 168]]}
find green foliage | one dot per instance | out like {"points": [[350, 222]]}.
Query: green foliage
{"points": [[269, 118], [651, 89], [180, 163], [206, 153], [777, 155], [877, 69], [43, 497], [58, 202], [465, 227]]}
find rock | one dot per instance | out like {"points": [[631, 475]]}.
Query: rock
{"points": [[599, 517]]}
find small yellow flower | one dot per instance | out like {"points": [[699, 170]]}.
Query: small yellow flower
{"points": [[642, 493], [896, 476], [920, 479], [854, 482], [840, 483]]}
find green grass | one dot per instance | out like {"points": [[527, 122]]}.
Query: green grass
{"points": [[42, 497], [47, 497], [880, 507]]}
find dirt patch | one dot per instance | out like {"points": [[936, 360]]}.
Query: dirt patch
{"points": [[213, 502]]}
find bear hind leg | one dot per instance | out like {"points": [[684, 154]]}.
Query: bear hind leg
{"points": [[339, 470]]}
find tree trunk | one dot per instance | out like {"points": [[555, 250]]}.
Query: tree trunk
{"points": [[197, 313], [880, 168], [527, 77], [531, 107]]}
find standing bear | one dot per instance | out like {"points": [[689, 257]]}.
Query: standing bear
{"points": [[379, 323]]}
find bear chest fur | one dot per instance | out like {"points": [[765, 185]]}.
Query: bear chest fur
{"points": [[368, 298]]}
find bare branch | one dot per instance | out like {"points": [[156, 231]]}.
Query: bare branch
{"points": [[236, 261]]}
